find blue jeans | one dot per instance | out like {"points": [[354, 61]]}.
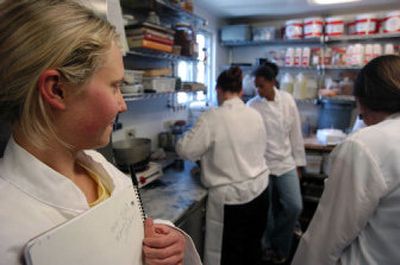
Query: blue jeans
{"points": [[285, 208]]}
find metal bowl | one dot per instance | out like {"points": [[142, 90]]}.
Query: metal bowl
{"points": [[131, 152]]}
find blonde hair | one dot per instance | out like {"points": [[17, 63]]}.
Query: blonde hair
{"points": [[46, 34]]}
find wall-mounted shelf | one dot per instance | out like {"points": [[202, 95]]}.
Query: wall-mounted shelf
{"points": [[170, 12], [363, 38], [145, 96], [286, 67], [154, 54], [340, 67], [322, 40], [272, 42]]}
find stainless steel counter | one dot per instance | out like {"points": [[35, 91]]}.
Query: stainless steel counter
{"points": [[174, 194]]}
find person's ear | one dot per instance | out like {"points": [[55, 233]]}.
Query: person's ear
{"points": [[51, 89]]}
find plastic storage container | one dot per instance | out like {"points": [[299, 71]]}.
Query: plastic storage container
{"points": [[294, 29], [334, 26], [391, 22], [335, 113], [366, 24], [236, 33], [313, 27], [159, 84], [263, 33]]}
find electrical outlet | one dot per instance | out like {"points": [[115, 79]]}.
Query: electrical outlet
{"points": [[130, 133]]}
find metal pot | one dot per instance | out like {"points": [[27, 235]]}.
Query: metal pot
{"points": [[132, 152]]}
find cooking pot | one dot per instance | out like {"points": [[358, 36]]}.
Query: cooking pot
{"points": [[132, 152]]}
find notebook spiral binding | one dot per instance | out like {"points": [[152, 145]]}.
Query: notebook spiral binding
{"points": [[136, 189], [139, 198]]}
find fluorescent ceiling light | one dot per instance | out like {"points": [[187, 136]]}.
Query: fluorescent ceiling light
{"points": [[331, 2]]}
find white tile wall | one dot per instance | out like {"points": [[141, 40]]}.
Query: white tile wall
{"points": [[147, 117]]}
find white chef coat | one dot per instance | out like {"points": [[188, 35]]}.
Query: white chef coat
{"points": [[34, 198], [358, 218], [229, 141], [285, 146]]}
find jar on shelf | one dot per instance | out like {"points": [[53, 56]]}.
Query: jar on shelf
{"points": [[327, 56], [358, 55], [305, 57], [377, 50], [334, 26], [316, 55], [389, 49], [391, 22], [297, 56], [368, 53], [366, 24], [153, 18], [289, 57], [185, 37], [294, 29], [313, 27]]}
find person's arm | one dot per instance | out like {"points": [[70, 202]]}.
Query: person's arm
{"points": [[296, 137], [352, 193], [195, 142]]}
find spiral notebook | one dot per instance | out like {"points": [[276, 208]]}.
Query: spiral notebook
{"points": [[109, 233]]}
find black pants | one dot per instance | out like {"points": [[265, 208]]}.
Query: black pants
{"points": [[244, 225]]}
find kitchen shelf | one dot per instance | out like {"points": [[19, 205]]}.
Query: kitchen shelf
{"points": [[355, 38], [286, 67], [170, 12], [272, 42], [149, 53], [340, 67], [322, 40], [144, 96]]}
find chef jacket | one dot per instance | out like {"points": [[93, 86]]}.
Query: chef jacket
{"points": [[35, 198], [285, 145], [230, 141], [357, 219]]}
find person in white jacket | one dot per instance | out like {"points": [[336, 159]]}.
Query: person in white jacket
{"points": [[60, 74], [230, 142], [285, 156], [357, 219]]}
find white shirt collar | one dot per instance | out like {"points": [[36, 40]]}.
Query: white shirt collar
{"points": [[36, 179], [232, 102]]}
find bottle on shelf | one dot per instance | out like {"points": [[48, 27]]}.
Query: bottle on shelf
{"points": [[300, 86], [287, 83]]}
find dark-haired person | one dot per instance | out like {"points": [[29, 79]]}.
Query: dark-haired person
{"points": [[285, 155], [230, 141], [357, 219]]}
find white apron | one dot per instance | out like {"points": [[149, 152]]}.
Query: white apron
{"points": [[214, 225]]}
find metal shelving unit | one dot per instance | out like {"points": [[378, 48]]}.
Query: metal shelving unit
{"points": [[171, 13], [273, 42], [145, 96], [154, 54], [362, 38]]}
